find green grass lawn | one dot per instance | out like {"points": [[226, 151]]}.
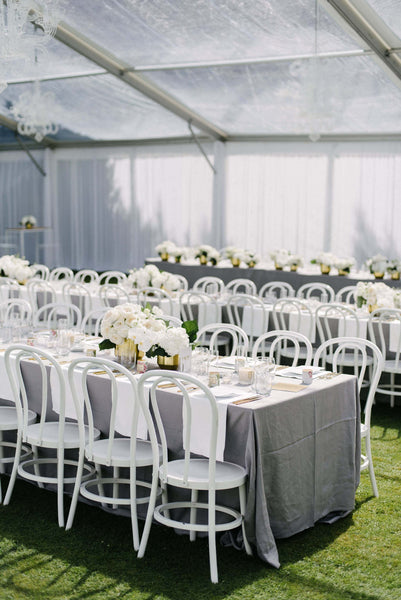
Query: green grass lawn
{"points": [[357, 558]]}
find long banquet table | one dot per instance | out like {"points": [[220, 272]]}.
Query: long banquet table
{"points": [[260, 276], [301, 450]]}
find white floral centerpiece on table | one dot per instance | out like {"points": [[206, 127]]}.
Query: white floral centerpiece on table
{"points": [[28, 221], [16, 268], [165, 249], [251, 258], [145, 330], [326, 260], [207, 253], [280, 258], [344, 265], [377, 265], [179, 252], [151, 276], [295, 261], [374, 295], [394, 268]]}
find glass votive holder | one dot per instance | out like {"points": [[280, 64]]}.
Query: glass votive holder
{"points": [[263, 381]]}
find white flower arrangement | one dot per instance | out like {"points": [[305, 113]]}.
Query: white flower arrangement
{"points": [[295, 260], [28, 221], [280, 257], [208, 253], [147, 328], [251, 258], [230, 251], [179, 252], [394, 266], [378, 295], [325, 258], [377, 263], [344, 264], [151, 276], [165, 247], [16, 268]]}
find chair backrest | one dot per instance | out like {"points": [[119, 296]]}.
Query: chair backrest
{"points": [[156, 296], [170, 320], [92, 321], [209, 285], [346, 294], [78, 373], [40, 292], [16, 307], [87, 276], [49, 315], [64, 273], [362, 350], [9, 288], [200, 307], [37, 396], [277, 340], [384, 327], [117, 277], [241, 285], [111, 294], [237, 337], [293, 314], [41, 271], [184, 285], [322, 291], [78, 294], [336, 320], [274, 290], [181, 380]]}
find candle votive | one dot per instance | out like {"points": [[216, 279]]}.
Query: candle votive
{"points": [[245, 375]]}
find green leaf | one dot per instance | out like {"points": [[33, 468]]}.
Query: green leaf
{"points": [[156, 350], [106, 344], [191, 327], [360, 301]]}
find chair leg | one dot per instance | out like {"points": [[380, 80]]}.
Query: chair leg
{"points": [[77, 486], [133, 506], [370, 466], [192, 518], [212, 537], [2, 469], [150, 511], [100, 488], [60, 487], [116, 473], [36, 469], [392, 382], [242, 504], [14, 470]]}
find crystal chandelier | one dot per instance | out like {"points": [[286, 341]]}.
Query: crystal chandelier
{"points": [[26, 26], [32, 112]]}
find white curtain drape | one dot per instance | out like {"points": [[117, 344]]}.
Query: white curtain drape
{"points": [[109, 207]]}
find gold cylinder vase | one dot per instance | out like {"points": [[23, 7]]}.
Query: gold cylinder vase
{"points": [[164, 256], [294, 268], [235, 262], [169, 362], [277, 267], [203, 260], [395, 275], [378, 275], [325, 269]]}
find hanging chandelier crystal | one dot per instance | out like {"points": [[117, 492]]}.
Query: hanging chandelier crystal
{"points": [[33, 111], [26, 26]]}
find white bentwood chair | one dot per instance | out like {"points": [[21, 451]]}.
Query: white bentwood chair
{"points": [[61, 274], [49, 315], [365, 349], [346, 294], [382, 323], [92, 321], [323, 291], [131, 452], [273, 290], [273, 343], [241, 286], [87, 276], [195, 474], [248, 312], [215, 335], [111, 294], [57, 435], [117, 277], [209, 285], [78, 294]]}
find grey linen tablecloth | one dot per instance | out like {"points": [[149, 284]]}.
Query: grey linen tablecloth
{"points": [[301, 451]]}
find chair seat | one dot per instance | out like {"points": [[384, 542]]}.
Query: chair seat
{"points": [[290, 353], [49, 437], [120, 456], [9, 418], [228, 475], [348, 359], [392, 366]]}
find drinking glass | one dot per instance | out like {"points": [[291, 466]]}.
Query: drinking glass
{"points": [[263, 381]]}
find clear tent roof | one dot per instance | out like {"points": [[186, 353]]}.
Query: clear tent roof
{"points": [[248, 67]]}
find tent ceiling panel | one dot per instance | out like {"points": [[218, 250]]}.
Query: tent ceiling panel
{"points": [[165, 31], [101, 108], [345, 95], [390, 12]]}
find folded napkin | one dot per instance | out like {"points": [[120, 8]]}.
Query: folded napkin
{"points": [[288, 387], [255, 320], [303, 323], [394, 341], [348, 327]]}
